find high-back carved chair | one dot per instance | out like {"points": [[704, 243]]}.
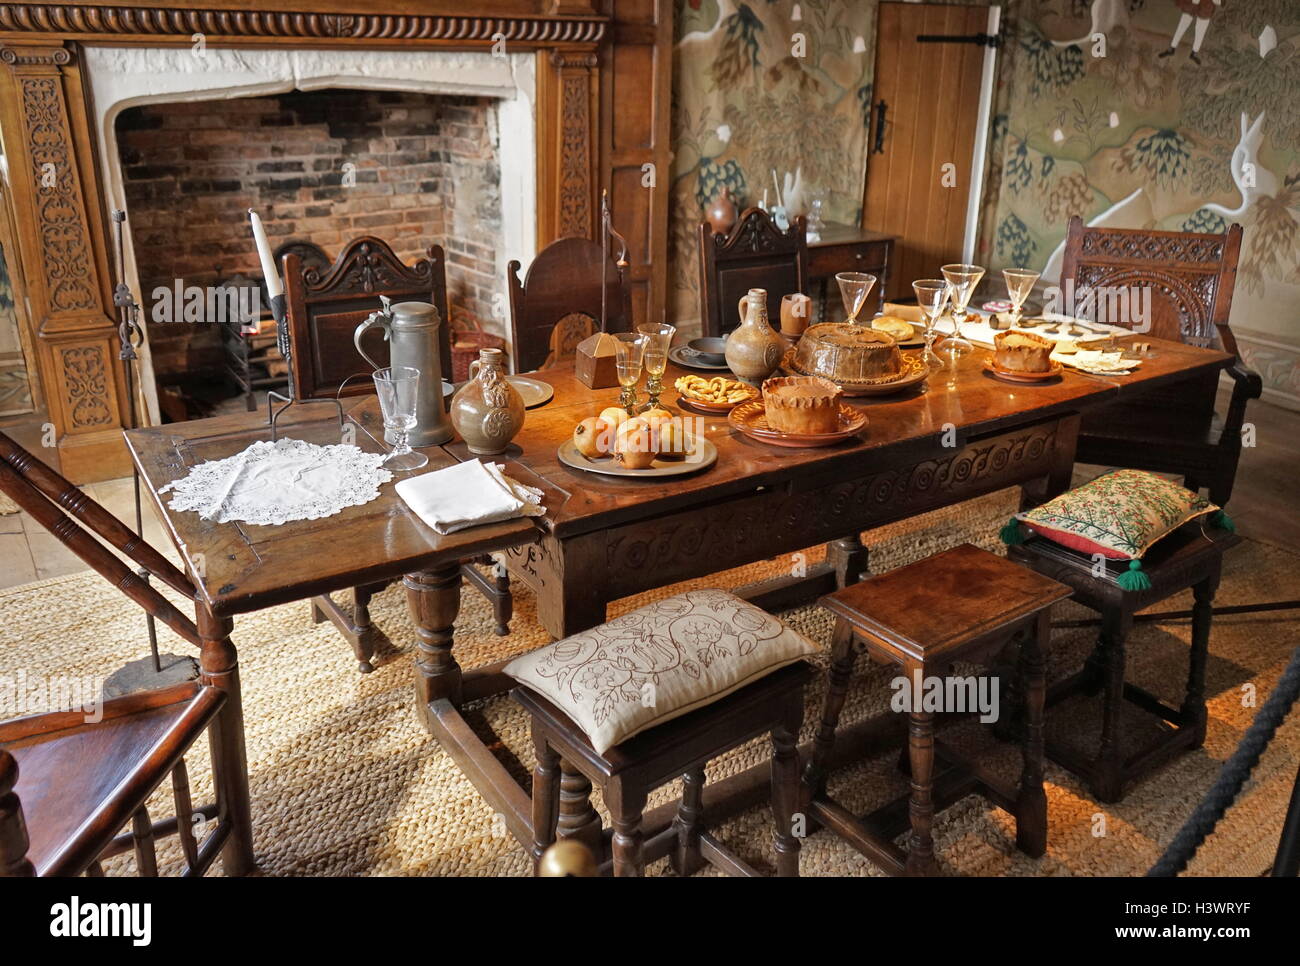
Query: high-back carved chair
{"points": [[68, 785], [753, 254], [324, 308], [325, 305], [1190, 276], [557, 305]]}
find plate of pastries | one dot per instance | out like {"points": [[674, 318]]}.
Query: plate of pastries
{"points": [[652, 444], [716, 394], [798, 411], [1022, 357], [862, 361]]}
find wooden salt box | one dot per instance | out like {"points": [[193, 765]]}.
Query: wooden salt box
{"points": [[595, 361]]}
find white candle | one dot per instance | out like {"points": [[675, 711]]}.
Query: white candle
{"points": [[273, 285]]}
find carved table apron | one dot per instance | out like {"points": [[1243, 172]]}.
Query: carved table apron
{"points": [[575, 576]]}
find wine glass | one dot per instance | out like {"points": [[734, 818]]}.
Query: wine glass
{"points": [[931, 293], [1020, 282], [658, 337], [854, 288], [398, 387], [629, 354], [962, 280]]}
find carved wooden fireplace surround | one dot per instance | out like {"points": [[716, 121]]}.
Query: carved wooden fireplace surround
{"points": [[603, 75]]}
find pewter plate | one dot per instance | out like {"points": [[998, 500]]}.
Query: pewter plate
{"points": [[687, 359], [708, 455], [535, 392]]}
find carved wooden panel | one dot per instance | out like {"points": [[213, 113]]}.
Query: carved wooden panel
{"points": [[115, 21], [643, 555]]}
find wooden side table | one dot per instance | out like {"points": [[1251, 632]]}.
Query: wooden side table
{"points": [[847, 248], [961, 605]]}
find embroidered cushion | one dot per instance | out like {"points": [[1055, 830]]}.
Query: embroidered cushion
{"points": [[657, 663], [1118, 515]]}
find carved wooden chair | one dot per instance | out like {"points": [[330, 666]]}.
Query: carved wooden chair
{"points": [[753, 254], [557, 305], [68, 785], [1171, 429], [324, 307]]}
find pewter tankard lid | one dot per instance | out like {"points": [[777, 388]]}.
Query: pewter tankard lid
{"points": [[413, 315]]}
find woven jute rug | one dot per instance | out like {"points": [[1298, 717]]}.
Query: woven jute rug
{"points": [[346, 782], [7, 506]]}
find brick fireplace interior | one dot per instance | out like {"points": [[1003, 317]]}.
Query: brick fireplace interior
{"points": [[323, 166]]}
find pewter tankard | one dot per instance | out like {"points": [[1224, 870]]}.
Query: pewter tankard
{"points": [[411, 329]]}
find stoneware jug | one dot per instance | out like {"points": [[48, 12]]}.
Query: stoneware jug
{"points": [[721, 213], [754, 349], [487, 411]]}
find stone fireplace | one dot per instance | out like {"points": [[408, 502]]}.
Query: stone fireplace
{"points": [[417, 148]]}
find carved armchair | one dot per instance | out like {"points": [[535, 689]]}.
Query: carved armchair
{"points": [[557, 305], [325, 305], [753, 254], [1172, 429]]}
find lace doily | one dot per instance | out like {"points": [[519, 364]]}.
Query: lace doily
{"points": [[272, 483]]}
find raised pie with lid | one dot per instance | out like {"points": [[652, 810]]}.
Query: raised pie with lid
{"points": [[807, 405], [844, 352]]}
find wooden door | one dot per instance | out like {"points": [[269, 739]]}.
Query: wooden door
{"points": [[930, 94]]}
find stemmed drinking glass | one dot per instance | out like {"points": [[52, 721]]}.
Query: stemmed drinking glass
{"points": [[658, 337], [854, 288], [398, 388], [1020, 282], [931, 293], [962, 280], [629, 353]]}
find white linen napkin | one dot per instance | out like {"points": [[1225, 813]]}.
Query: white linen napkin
{"points": [[467, 495]]}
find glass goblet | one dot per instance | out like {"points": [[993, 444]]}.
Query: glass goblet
{"points": [[962, 280], [659, 335], [931, 294], [629, 355], [854, 288], [398, 391], [1020, 282]]}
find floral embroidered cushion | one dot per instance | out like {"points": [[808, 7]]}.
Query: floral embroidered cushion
{"points": [[1118, 515], [657, 663]]}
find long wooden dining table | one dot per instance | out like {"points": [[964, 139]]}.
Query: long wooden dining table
{"points": [[962, 434]]}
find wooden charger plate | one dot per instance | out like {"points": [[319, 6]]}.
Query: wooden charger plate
{"points": [[1010, 376], [676, 466], [751, 419], [914, 371]]}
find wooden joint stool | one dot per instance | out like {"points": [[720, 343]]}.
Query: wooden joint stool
{"points": [[962, 605], [628, 772], [1190, 557]]}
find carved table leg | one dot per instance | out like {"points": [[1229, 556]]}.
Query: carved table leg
{"points": [[920, 844], [841, 670], [1108, 782], [220, 664], [849, 557], [546, 800], [433, 597], [577, 819], [785, 790], [686, 858], [626, 804], [1193, 707], [1031, 802]]}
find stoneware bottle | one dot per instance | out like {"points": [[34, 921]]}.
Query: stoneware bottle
{"points": [[487, 411], [754, 349]]}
